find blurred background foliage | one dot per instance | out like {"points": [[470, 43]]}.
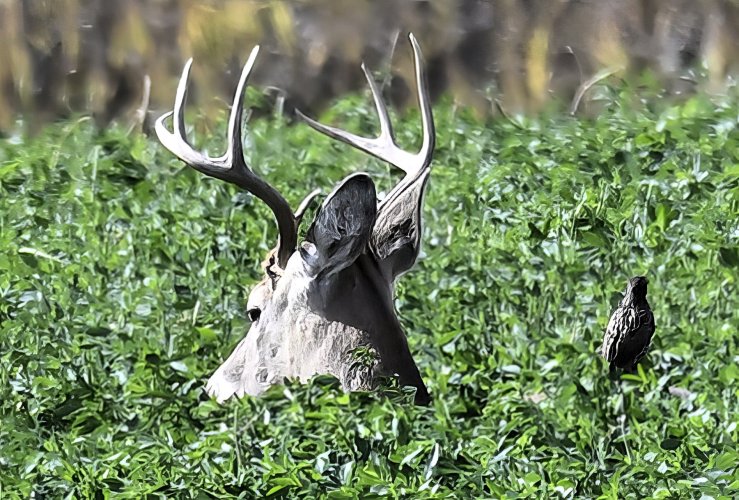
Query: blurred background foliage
{"points": [[60, 57]]}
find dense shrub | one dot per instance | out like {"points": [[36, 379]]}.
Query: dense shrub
{"points": [[124, 274]]}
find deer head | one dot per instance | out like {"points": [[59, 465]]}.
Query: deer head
{"points": [[325, 306]]}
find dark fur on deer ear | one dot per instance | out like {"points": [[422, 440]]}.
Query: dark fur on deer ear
{"points": [[342, 227]]}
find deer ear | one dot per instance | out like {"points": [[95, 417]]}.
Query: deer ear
{"points": [[396, 238], [342, 227]]}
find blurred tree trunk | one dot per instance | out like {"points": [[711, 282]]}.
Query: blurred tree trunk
{"points": [[65, 56]]}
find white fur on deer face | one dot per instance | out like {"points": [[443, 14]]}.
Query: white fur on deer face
{"points": [[293, 334], [326, 305]]}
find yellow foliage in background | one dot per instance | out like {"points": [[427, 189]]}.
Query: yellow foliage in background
{"points": [[63, 56]]}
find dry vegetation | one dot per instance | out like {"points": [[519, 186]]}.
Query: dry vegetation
{"points": [[63, 56]]}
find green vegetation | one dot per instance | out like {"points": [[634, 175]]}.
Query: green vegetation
{"points": [[124, 274]]}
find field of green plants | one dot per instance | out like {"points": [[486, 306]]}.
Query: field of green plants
{"points": [[124, 276]]}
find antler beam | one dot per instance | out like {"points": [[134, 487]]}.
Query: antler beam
{"points": [[383, 146], [231, 166]]}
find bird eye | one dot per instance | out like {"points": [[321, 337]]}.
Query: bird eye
{"points": [[254, 314]]}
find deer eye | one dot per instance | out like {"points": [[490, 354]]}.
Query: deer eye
{"points": [[254, 314]]}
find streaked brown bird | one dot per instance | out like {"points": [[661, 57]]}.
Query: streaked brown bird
{"points": [[630, 329]]}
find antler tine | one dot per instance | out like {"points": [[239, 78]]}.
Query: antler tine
{"points": [[383, 146], [424, 103], [231, 166], [305, 204]]}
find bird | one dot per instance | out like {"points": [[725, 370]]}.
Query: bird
{"points": [[630, 329]]}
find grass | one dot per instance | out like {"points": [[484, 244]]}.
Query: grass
{"points": [[124, 275]]}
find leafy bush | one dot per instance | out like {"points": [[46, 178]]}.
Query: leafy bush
{"points": [[124, 274]]}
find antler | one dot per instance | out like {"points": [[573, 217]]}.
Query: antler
{"points": [[384, 146], [231, 166]]}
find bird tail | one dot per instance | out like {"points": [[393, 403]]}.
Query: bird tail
{"points": [[612, 371]]}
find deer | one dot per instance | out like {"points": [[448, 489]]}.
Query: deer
{"points": [[325, 306]]}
